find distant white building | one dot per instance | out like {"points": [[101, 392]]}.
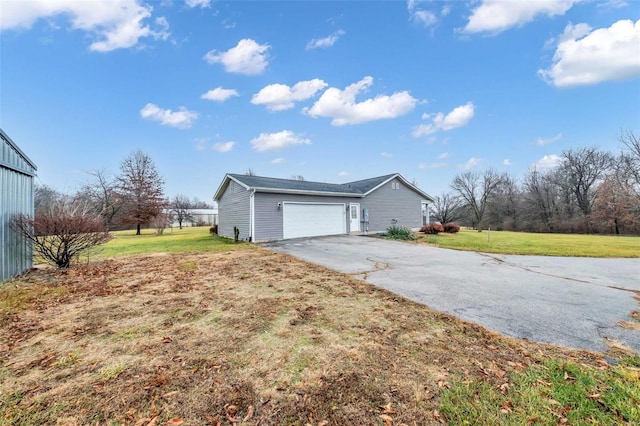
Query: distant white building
{"points": [[199, 217]]}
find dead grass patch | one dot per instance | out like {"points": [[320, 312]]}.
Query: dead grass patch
{"points": [[245, 337]]}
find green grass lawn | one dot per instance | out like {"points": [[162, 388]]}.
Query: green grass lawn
{"points": [[185, 240], [505, 242]]}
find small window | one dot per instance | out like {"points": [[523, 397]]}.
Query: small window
{"points": [[395, 185], [354, 213]]}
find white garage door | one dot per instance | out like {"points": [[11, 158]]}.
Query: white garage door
{"points": [[310, 220]]}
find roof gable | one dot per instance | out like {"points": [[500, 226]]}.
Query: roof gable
{"points": [[366, 185], [31, 167]]}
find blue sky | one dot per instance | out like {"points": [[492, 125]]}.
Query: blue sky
{"points": [[332, 91]]}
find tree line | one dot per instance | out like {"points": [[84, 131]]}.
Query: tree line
{"points": [[133, 197], [590, 191], [64, 226]]}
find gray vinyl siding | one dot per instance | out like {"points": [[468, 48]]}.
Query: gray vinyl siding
{"points": [[268, 220], [385, 204], [234, 210], [16, 197]]}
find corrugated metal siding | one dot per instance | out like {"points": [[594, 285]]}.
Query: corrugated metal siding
{"points": [[233, 210], [268, 219], [16, 196], [385, 204]]}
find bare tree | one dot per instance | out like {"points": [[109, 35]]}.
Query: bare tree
{"points": [[44, 197], [102, 193], [141, 188], [446, 208], [60, 233], [476, 189], [181, 207], [504, 204], [297, 177], [197, 204], [582, 169], [250, 172], [541, 198], [629, 161], [615, 208]]}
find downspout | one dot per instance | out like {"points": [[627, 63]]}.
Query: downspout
{"points": [[252, 215]]}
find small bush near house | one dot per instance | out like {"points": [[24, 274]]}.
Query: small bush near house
{"points": [[451, 228], [213, 230], [432, 228], [399, 233]]}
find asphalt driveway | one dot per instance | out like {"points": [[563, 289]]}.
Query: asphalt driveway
{"points": [[575, 302]]}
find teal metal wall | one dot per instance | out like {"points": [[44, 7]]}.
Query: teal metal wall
{"points": [[16, 196]]}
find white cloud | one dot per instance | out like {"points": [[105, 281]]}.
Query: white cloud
{"points": [[386, 155], [444, 155], [112, 24], [421, 16], [425, 17], [343, 174], [201, 144], [224, 146], [198, 3], [613, 4], [548, 162], [470, 164], [279, 97], [326, 41], [506, 162], [219, 94], [546, 141], [588, 57], [495, 16], [458, 117], [278, 141], [248, 57], [342, 108], [431, 166], [181, 119], [277, 160]]}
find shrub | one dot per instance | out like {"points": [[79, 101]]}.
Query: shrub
{"points": [[451, 228], [399, 233], [213, 230], [62, 232], [432, 228]]}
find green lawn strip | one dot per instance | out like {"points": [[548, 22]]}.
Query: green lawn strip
{"points": [[185, 240], [554, 392], [524, 243]]}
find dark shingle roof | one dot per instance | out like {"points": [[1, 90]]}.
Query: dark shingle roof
{"points": [[357, 188], [365, 185], [292, 184]]}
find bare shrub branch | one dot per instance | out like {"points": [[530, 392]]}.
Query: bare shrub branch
{"points": [[63, 231]]}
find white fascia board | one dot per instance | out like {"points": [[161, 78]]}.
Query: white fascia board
{"points": [[224, 184], [407, 183], [383, 183], [303, 192]]}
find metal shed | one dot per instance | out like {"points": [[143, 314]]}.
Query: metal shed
{"points": [[16, 196]]}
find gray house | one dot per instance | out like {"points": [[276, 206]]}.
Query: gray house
{"points": [[16, 196], [265, 208]]}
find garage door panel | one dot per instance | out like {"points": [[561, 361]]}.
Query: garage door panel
{"points": [[311, 220]]}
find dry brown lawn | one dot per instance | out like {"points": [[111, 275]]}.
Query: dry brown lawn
{"points": [[248, 337]]}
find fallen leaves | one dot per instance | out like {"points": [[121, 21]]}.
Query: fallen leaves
{"points": [[229, 321]]}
